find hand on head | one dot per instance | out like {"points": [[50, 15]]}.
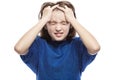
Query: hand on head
{"points": [[47, 12], [68, 13]]}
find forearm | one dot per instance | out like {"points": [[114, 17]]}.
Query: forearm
{"points": [[27, 39], [88, 39]]}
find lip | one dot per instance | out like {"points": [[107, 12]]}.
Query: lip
{"points": [[58, 34]]}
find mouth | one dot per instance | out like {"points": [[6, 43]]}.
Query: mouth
{"points": [[58, 34]]}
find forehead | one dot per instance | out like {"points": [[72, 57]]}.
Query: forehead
{"points": [[58, 15]]}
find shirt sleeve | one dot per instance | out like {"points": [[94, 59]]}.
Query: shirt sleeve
{"points": [[85, 57], [31, 58]]}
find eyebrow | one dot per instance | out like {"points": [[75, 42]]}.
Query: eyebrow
{"points": [[55, 21]]}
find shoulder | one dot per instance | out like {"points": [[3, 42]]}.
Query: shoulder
{"points": [[77, 40], [38, 42], [39, 39]]}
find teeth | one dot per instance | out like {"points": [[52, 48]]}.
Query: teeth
{"points": [[58, 34]]}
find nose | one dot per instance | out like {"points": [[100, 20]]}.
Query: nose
{"points": [[58, 27]]}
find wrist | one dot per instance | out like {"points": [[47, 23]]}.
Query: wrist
{"points": [[72, 20], [43, 20]]}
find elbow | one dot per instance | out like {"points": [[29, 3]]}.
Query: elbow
{"points": [[94, 50], [19, 50]]}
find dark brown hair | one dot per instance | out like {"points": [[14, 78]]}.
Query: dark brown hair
{"points": [[44, 33]]}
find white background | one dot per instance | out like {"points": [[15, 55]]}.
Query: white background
{"points": [[100, 17]]}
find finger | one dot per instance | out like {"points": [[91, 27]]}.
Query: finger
{"points": [[66, 7], [55, 6], [61, 8], [48, 7]]}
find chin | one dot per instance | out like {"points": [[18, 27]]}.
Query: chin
{"points": [[59, 39]]}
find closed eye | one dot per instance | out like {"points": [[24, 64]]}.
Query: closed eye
{"points": [[52, 22], [64, 22]]}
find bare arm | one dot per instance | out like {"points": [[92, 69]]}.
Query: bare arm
{"points": [[27, 39], [88, 39]]}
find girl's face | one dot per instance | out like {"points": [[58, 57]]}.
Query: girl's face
{"points": [[58, 27]]}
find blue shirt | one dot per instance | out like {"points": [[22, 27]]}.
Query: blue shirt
{"points": [[64, 60]]}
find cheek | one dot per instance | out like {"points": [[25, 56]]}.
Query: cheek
{"points": [[67, 29], [49, 29]]}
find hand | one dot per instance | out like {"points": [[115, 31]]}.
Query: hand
{"points": [[47, 12], [68, 13]]}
